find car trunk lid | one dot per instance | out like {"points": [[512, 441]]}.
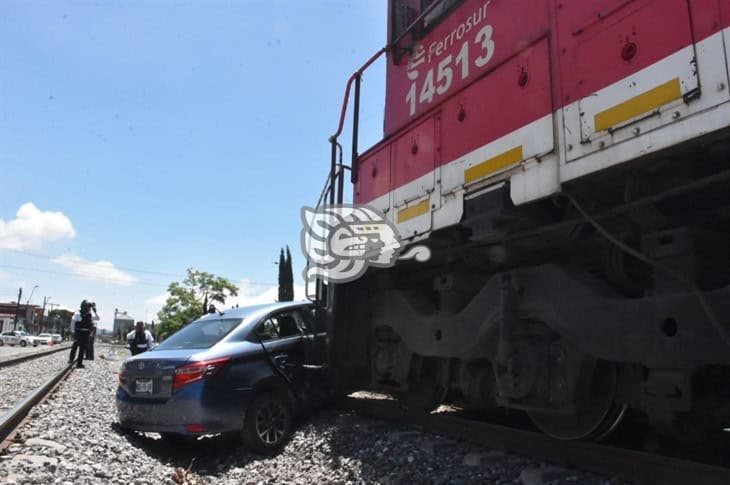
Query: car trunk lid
{"points": [[151, 375]]}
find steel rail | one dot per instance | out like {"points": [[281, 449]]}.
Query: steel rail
{"points": [[607, 460], [34, 355], [10, 421]]}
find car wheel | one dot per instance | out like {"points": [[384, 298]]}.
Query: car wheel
{"points": [[267, 426], [23, 343], [1, 343]]}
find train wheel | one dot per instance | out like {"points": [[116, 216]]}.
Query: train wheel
{"points": [[426, 389], [597, 419], [423, 399]]}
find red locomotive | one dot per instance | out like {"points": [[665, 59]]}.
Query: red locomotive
{"points": [[566, 162]]}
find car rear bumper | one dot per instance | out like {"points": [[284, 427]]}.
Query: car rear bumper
{"points": [[217, 414]]}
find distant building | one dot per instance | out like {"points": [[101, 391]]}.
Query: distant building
{"points": [[123, 324], [105, 335], [29, 317]]}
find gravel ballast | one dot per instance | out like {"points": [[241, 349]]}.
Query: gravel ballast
{"points": [[74, 438], [19, 380]]}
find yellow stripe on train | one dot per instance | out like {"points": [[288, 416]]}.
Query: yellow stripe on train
{"points": [[414, 211], [642, 103], [494, 164]]}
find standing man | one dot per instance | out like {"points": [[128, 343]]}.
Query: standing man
{"points": [[140, 340], [83, 324]]}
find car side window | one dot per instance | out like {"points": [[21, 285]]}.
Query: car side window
{"points": [[268, 329], [288, 325], [279, 326], [315, 325]]}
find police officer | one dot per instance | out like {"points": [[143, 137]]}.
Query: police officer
{"points": [[83, 322], [140, 340]]}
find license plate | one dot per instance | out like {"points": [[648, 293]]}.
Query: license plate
{"points": [[143, 386]]}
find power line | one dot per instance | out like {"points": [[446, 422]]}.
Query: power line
{"points": [[76, 275], [91, 263], [123, 268], [110, 280]]}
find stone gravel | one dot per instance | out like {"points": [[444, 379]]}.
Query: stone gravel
{"points": [[19, 380], [74, 438]]}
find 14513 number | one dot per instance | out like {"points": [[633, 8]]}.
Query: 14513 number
{"points": [[445, 72]]}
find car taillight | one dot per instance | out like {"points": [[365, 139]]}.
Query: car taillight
{"points": [[196, 371], [195, 428], [122, 379]]}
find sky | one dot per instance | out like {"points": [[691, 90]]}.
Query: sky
{"points": [[141, 138]]}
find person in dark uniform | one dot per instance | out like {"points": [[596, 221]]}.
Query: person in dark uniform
{"points": [[90, 344], [84, 324], [140, 340]]}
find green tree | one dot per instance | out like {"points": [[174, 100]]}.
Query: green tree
{"points": [[58, 319], [286, 276], [190, 299]]}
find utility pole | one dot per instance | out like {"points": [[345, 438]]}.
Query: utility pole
{"points": [[43, 313], [17, 309], [29, 314]]}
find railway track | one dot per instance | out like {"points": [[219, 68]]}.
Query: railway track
{"points": [[632, 465], [11, 420], [33, 355]]}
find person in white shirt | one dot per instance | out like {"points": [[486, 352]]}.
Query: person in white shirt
{"points": [[140, 340]]}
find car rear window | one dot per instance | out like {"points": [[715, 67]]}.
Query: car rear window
{"points": [[200, 334]]}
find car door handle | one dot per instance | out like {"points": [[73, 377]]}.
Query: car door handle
{"points": [[281, 359]]}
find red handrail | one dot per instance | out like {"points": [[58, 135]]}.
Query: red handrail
{"points": [[375, 56], [357, 74]]}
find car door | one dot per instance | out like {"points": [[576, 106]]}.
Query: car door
{"points": [[315, 334], [284, 344], [316, 382], [13, 338]]}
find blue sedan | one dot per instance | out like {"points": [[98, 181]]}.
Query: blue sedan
{"points": [[244, 371]]}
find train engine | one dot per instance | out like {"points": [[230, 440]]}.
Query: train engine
{"points": [[567, 164]]}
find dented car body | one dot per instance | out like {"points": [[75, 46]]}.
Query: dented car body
{"points": [[204, 378]]}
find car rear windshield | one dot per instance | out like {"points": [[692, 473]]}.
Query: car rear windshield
{"points": [[200, 334]]}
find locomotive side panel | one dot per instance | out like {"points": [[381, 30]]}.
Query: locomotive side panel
{"points": [[662, 78], [373, 184], [456, 50], [415, 155], [499, 121]]}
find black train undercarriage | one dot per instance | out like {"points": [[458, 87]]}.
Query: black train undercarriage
{"points": [[611, 296]]}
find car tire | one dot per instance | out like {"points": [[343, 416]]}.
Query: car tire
{"points": [[1, 343], [23, 343], [267, 426]]}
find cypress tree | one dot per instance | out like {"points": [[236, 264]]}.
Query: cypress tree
{"points": [[288, 278], [282, 263]]}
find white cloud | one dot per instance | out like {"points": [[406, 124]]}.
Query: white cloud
{"points": [[31, 228], [156, 301], [253, 294], [154, 304], [95, 270]]}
